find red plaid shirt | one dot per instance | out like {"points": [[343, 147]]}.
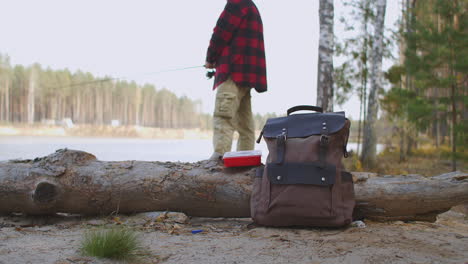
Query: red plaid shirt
{"points": [[237, 46]]}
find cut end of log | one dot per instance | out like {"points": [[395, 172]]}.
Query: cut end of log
{"points": [[45, 193]]}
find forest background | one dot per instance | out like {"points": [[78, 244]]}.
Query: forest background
{"points": [[422, 104]]}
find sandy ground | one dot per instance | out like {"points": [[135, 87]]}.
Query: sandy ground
{"points": [[168, 239]]}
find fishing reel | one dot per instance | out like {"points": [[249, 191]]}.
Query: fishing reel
{"points": [[210, 73]]}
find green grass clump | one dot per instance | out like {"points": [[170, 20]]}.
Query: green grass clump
{"points": [[115, 243]]}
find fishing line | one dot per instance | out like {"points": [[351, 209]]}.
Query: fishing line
{"points": [[209, 75]]}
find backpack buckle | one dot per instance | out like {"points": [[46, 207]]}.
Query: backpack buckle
{"points": [[281, 146], [324, 139], [282, 136]]}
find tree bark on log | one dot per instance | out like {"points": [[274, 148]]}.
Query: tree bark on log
{"points": [[70, 181]]}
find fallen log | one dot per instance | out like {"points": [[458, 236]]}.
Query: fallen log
{"points": [[70, 181]]}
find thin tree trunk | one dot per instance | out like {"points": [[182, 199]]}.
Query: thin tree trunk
{"points": [[437, 119], [454, 101], [2, 103], [78, 115], [436, 95], [369, 150], [402, 143], [325, 62], [53, 107], [114, 108], [137, 105], [75, 182], [99, 105], [125, 111], [30, 101], [362, 109], [360, 124], [409, 143], [7, 100], [454, 130], [108, 106]]}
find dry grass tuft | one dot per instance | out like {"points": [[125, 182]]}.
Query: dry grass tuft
{"points": [[115, 243]]}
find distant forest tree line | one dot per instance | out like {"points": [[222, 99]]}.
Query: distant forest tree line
{"points": [[36, 95]]}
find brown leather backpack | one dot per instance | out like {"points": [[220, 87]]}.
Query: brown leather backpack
{"points": [[303, 182]]}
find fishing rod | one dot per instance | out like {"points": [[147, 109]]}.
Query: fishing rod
{"points": [[210, 73]]}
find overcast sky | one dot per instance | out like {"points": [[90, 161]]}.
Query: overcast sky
{"points": [[132, 38]]}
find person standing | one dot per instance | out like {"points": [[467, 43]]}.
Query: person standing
{"points": [[237, 52]]}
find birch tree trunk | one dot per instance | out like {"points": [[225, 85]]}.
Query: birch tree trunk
{"points": [[364, 52], [369, 148], [325, 57]]}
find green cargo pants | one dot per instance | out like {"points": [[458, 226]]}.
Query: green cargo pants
{"points": [[233, 112]]}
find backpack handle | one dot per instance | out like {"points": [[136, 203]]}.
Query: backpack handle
{"points": [[305, 107]]}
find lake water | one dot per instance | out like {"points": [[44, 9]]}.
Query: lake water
{"points": [[118, 149]]}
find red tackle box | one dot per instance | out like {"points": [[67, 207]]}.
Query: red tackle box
{"points": [[243, 158]]}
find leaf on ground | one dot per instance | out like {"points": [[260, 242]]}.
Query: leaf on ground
{"points": [[117, 220]]}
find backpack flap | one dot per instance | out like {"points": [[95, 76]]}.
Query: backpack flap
{"points": [[304, 125], [300, 126]]}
